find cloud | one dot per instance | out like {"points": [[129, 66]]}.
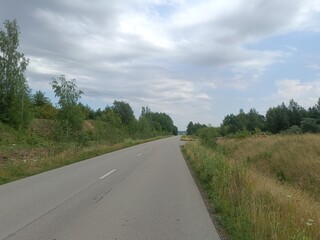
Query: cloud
{"points": [[168, 54], [305, 93]]}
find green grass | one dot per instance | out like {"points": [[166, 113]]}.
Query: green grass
{"points": [[252, 203], [25, 166], [187, 138], [35, 150]]}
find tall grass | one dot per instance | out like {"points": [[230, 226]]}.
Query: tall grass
{"points": [[292, 159], [251, 203], [40, 147]]}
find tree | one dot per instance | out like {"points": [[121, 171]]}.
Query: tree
{"points": [[156, 122], [314, 112], [208, 136], [175, 130], [87, 111], [255, 120], [108, 115], [145, 112], [277, 119], [39, 99], [190, 128], [42, 106], [193, 128], [295, 113], [310, 125], [230, 123], [70, 115], [125, 112], [242, 120], [14, 90]]}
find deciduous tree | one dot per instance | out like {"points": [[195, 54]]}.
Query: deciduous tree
{"points": [[14, 90], [124, 110], [70, 115]]}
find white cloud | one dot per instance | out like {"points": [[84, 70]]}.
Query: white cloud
{"points": [[305, 93], [168, 54], [42, 66]]}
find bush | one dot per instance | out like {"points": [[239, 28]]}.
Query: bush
{"points": [[242, 134], [208, 136], [292, 130], [310, 125]]}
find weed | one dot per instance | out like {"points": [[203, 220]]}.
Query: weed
{"points": [[244, 187], [26, 164]]}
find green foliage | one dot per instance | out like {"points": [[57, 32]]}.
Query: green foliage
{"points": [[42, 106], [292, 130], [110, 116], [229, 124], [310, 125], [282, 117], [242, 134], [208, 136], [87, 111], [70, 116], [20, 113], [243, 122], [285, 119], [314, 112], [156, 123], [39, 99], [251, 204], [106, 132], [14, 90], [193, 128], [66, 91], [124, 111], [295, 113], [8, 134], [175, 130], [145, 128]]}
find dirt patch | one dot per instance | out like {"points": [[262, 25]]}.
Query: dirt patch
{"points": [[87, 125]]}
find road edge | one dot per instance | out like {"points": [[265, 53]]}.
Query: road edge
{"points": [[205, 197]]}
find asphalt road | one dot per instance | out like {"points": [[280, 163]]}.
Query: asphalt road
{"points": [[142, 192]]}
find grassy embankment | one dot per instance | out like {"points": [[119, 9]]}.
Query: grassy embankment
{"points": [[32, 152], [263, 188]]}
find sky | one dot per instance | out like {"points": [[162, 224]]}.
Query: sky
{"points": [[196, 60]]}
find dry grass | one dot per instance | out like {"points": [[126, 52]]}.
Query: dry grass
{"points": [[281, 212], [187, 138], [294, 160], [251, 198]]}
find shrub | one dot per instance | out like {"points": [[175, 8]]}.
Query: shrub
{"points": [[208, 136], [292, 130], [310, 125]]}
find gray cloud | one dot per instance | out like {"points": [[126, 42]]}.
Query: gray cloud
{"points": [[169, 55]]}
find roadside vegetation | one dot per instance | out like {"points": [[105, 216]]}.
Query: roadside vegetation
{"points": [[262, 187], [36, 135], [26, 153], [262, 173]]}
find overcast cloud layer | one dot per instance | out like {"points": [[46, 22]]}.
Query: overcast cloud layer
{"points": [[195, 60]]}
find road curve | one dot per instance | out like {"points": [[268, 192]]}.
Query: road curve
{"points": [[141, 192]]}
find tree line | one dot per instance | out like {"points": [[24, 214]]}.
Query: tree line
{"points": [[280, 119], [18, 106]]}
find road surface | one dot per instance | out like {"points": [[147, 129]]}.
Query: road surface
{"points": [[145, 192]]}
